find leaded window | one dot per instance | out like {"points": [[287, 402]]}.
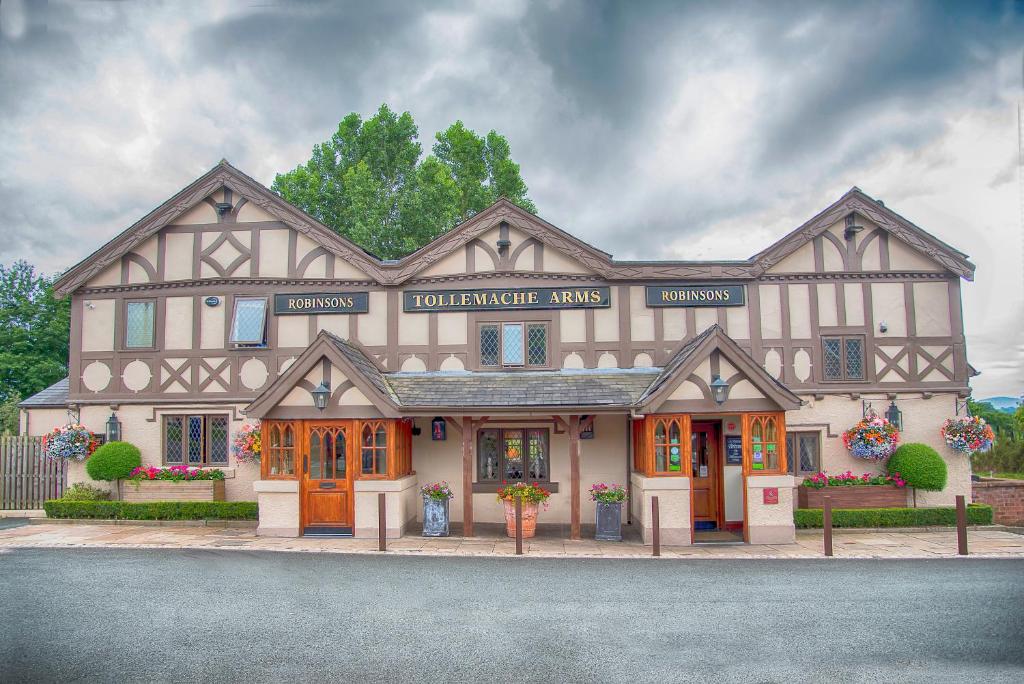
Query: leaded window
{"points": [[804, 453], [279, 451], [249, 321], [764, 444], [843, 357], [374, 442], [513, 345], [196, 440], [140, 324], [513, 455]]}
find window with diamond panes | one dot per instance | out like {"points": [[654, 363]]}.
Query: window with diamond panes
{"points": [[843, 358], [803, 449], [513, 455], [537, 344], [490, 345], [140, 322], [512, 344], [196, 440], [249, 321]]}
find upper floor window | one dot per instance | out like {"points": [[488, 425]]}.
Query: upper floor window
{"points": [[140, 324], [514, 345], [843, 357], [196, 440], [249, 322]]}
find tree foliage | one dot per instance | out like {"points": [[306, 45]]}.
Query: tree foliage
{"points": [[34, 332], [1004, 424], [369, 183]]}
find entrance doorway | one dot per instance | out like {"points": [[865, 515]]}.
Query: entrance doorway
{"points": [[328, 501], [706, 471]]}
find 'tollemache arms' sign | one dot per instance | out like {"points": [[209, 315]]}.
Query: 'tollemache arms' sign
{"points": [[508, 299]]}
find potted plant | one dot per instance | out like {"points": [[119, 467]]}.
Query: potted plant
{"points": [[608, 499], [176, 483], [921, 467], [847, 490], [532, 495], [873, 438], [436, 496], [247, 444]]}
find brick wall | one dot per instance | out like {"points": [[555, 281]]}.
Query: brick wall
{"points": [[1006, 497]]}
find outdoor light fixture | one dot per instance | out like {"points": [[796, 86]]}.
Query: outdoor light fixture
{"points": [[113, 428], [223, 207], [851, 227], [320, 395], [719, 389], [894, 415]]}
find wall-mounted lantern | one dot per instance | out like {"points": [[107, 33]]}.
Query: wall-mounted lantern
{"points": [[894, 415], [438, 429], [320, 395], [719, 389], [113, 428]]}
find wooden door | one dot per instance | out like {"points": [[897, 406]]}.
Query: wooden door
{"points": [[328, 500], [706, 464]]}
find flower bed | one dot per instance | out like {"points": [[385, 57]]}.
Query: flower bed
{"points": [[176, 483], [977, 514], [847, 490], [968, 435], [873, 438], [177, 473]]}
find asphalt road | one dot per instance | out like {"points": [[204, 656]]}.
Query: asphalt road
{"points": [[113, 615]]}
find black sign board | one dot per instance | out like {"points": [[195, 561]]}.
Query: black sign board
{"points": [[579, 297], [733, 450], [695, 295], [321, 303]]}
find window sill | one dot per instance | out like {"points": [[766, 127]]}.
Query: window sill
{"points": [[493, 487]]}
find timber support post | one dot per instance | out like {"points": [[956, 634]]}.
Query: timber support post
{"points": [[961, 525], [826, 520], [655, 526], [382, 522]]}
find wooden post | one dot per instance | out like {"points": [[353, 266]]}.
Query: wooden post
{"points": [[961, 525], [826, 517], [382, 522], [574, 477], [467, 477], [656, 526], [519, 525]]}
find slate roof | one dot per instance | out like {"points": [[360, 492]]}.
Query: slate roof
{"points": [[56, 395], [605, 387]]}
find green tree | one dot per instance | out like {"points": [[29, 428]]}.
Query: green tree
{"points": [[1003, 424], [34, 331], [368, 181], [9, 415]]}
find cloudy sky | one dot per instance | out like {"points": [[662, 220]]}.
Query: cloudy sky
{"points": [[653, 130]]}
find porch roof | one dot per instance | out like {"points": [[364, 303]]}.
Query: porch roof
{"points": [[54, 396]]}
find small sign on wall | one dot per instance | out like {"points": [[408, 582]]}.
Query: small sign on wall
{"points": [[733, 450], [438, 430], [771, 495]]}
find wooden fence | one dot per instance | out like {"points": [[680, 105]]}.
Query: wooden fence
{"points": [[26, 478]]}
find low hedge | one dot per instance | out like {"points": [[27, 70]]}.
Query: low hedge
{"points": [[152, 510], [809, 518]]}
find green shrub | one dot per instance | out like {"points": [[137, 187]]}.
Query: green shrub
{"points": [[84, 492], [113, 461], [152, 510], [920, 466], [945, 516]]}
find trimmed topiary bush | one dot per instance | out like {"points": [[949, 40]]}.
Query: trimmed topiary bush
{"points": [[113, 461], [152, 510], [811, 518], [920, 466]]}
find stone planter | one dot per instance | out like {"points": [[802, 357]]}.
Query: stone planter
{"points": [[855, 496], [529, 519], [169, 490], [609, 522], [435, 517]]}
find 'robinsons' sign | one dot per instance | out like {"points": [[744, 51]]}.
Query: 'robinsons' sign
{"points": [[322, 303], [695, 295]]}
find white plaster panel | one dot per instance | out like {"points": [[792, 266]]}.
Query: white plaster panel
{"points": [[211, 322], [686, 390], [96, 376], [737, 322], [802, 365], [573, 325], [452, 363], [111, 275], [297, 397], [292, 331], [200, 212], [452, 328], [889, 305], [641, 317], [607, 360], [253, 374], [482, 260], [773, 363], [556, 262], [178, 323], [373, 326], [606, 321], [353, 396], [274, 253], [250, 212], [854, 296], [526, 258], [832, 258], [413, 364], [771, 312], [744, 389], [704, 318], [673, 322], [336, 324], [931, 309], [828, 312], [98, 325], [800, 311], [871, 260], [178, 255], [136, 375], [573, 360], [136, 273], [800, 261], [643, 360], [903, 257], [413, 328]]}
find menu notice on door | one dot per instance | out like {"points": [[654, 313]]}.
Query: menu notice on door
{"points": [[733, 450]]}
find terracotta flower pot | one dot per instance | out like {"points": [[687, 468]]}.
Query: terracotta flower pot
{"points": [[529, 519]]}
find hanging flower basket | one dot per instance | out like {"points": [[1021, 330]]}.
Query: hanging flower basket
{"points": [[247, 445], [874, 439], [968, 435], [69, 442]]}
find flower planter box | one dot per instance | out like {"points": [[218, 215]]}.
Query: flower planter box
{"points": [[609, 521], [435, 517], [169, 490], [857, 496], [529, 519]]}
